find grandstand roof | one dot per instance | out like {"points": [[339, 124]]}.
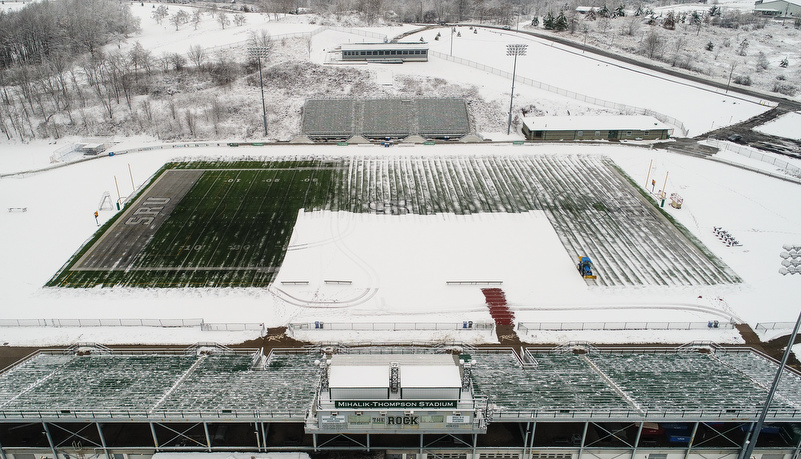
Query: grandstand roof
{"points": [[560, 385]]}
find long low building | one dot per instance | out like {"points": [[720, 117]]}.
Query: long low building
{"points": [[385, 52], [694, 402], [591, 127], [778, 8]]}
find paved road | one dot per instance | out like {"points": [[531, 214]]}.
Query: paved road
{"points": [[749, 137], [777, 98]]}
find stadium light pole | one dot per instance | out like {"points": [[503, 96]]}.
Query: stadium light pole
{"points": [[751, 442], [513, 50], [260, 52]]}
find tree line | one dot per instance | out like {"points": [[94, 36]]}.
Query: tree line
{"points": [[41, 30]]}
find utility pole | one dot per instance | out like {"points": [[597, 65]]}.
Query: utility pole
{"points": [[513, 50]]}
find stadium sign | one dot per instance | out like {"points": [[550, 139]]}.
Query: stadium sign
{"points": [[390, 404]]}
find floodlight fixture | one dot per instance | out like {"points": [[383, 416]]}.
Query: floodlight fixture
{"points": [[516, 49]]}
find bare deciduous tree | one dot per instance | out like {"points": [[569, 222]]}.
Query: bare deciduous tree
{"points": [[652, 44], [197, 55], [160, 13], [222, 19], [197, 18]]}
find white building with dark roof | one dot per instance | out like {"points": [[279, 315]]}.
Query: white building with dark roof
{"points": [[778, 8], [601, 127]]}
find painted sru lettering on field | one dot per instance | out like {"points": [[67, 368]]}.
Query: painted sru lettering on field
{"points": [[147, 211]]}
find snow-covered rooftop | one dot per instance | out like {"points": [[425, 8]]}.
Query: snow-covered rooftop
{"points": [[342, 376], [430, 376], [593, 122]]}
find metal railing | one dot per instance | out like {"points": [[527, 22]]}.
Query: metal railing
{"points": [[164, 323], [753, 153], [161, 323], [774, 326], [623, 108], [665, 415], [391, 326], [231, 326], [563, 326], [180, 415]]}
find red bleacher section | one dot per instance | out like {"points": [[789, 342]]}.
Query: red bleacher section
{"points": [[496, 300]]}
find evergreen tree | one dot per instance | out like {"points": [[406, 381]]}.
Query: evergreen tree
{"points": [[670, 21], [561, 22], [549, 21]]}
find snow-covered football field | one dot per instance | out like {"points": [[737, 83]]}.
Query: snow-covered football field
{"points": [[399, 265]]}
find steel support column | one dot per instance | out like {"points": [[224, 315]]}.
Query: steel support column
{"points": [[475, 444], [583, 439], [264, 435], [2, 452], [796, 455], [50, 440], [368, 442], [208, 439], [102, 440], [531, 442], [421, 444], [692, 440], [525, 439], [746, 440], [314, 441], [155, 438], [637, 440]]}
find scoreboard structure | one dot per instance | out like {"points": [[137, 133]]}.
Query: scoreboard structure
{"points": [[396, 393]]}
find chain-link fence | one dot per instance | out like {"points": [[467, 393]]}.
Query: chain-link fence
{"points": [[165, 323], [527, 327], [392, 326], [623, 108], [753, 153]]}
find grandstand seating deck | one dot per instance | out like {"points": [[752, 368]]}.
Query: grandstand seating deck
{"points": [[681, 381], [105, 382], [229, 382], [761, 370], [556, 382], [442, 117], [382, 118], [328, 117], [27, 374], [387, 118]]}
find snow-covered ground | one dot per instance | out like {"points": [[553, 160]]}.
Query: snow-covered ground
{"points": [[788, 125], [400, 265]]}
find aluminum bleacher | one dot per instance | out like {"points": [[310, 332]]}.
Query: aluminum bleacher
{"points": [[394, 118]]}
